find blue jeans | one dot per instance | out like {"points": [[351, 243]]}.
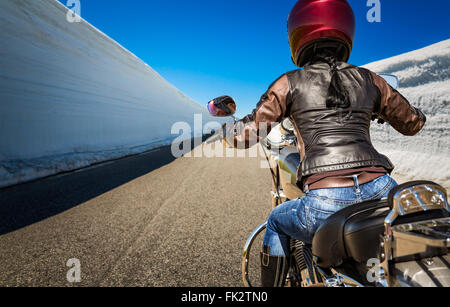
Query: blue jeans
{"points": [[300, 218]]}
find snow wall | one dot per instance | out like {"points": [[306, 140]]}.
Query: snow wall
{"points": [[425, 81], [70, 96]]}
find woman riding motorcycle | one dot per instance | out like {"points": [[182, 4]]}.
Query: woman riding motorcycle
{"points": [[331, 104]]}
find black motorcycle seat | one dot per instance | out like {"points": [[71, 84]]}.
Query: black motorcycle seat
{"points": [[355, 230]]}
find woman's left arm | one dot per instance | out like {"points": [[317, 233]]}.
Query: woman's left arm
{"points": [[270, 109]]}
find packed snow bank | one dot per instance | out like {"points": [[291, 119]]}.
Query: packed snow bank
{"points": [[425, 81], [70, 96]]}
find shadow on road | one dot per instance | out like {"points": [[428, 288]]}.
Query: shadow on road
{"points": [[28, 203]]}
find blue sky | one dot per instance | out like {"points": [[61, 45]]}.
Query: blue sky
{"points": [[209, 48]]}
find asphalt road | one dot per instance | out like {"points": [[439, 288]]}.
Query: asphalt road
{"points": [[147, 220]]}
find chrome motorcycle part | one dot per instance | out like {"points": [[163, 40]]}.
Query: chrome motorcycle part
{"points": [[274, 170], [222, 106], [279, 138], [298, 253], [336, 282], [287, 126], [346, 280], [336, 279], [419, 238], [246, 254], [279, 195], [434, 272]]}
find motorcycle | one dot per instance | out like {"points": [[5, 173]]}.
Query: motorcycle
{"points": [[399, 241]]}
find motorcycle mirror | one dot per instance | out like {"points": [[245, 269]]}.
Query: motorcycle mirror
{"points": [[391, 80], [222, 106]]}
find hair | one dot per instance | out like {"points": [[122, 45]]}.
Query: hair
{"points": [[337, 96]]}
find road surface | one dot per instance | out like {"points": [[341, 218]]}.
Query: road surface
{"points": [[147, 220]]}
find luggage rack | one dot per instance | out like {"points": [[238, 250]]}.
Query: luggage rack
{"points": [[426, 238], [420, 237]]}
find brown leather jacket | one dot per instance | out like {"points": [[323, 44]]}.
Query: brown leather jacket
{"points": [[331, 139]]}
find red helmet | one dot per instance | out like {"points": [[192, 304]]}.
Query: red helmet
{"points": [[313, 23]]}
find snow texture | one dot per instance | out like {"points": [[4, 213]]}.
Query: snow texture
{"points": [[424, 77], [70, 96]]}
